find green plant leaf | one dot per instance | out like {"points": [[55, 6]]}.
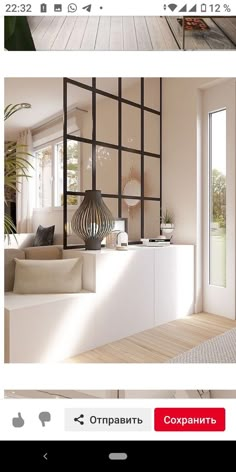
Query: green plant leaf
{"points": [[18, 36]]}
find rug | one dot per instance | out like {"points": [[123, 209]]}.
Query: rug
{"points": [[192, 23], [220, 349]]}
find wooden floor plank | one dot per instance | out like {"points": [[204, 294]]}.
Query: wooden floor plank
{"points": [[130, 39], [90, 35], [161, 37], [77, 34], [103, 35], [63, 36], [41, 30], [34, 21], [51, 34], [116, 37], [216, 38], [194, 40], [228, 26], [161, 343], [143, 38]]}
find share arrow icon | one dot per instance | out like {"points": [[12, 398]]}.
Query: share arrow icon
{"points": [[87, 8]]}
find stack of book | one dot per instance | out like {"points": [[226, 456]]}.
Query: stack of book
{"points": [[156, 241]]}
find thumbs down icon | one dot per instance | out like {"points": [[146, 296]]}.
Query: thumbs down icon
{"points": [[44, 417]]}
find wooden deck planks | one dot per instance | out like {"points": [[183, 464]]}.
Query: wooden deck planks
{"points": [[116, 36], [161, 343], [34, 21], [51, 34], [103, 34], [62, 38], [40, 30], [142, 33], [90, 35], [228, 26], [193, 40], [161, 37], [130, 38], [215, 37], [76, 37], [128, 33]]}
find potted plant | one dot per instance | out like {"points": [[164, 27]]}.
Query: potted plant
{"points": [[167, 224]]}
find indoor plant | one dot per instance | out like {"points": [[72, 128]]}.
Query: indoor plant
{"points": [[167, 224], [16, 166]]}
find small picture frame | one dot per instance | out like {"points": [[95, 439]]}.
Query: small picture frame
{"points": [[121, 224]]}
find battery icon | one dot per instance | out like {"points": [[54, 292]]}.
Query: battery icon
{"points": [[203, 8]]}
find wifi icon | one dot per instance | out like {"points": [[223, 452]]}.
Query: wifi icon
{"points": [[172, 6]]}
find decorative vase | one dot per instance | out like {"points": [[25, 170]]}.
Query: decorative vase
{"points": [[92, 221]]}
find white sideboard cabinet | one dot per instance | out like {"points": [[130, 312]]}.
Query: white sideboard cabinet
{"points": [[139, 288], [123, 293]]}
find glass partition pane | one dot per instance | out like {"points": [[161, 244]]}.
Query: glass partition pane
{"points": [[107, 120], [131, 127], [152, 93], [151, 177], [107, 169], [107, 84], [151, 219], [131, 89], [151, 132], [79, 114], [133, 213]]}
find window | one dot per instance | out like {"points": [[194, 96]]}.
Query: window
{"points": [[49, 173], [217, 197]]}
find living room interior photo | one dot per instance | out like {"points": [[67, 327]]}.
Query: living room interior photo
{"points": [[127, 33], [120, 220]]}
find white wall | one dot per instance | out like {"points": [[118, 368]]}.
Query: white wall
{"points": [[180, 108], [181, 169]]}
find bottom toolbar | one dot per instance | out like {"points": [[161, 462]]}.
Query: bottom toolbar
{"points": [[88, 419]]}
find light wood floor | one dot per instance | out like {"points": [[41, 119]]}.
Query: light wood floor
{"points": [[124, 33], [161, 343]]}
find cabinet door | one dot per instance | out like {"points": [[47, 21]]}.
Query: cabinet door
{"points": [[174, 279]]}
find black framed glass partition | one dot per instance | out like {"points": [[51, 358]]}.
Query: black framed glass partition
{"points": [[117, 149]]}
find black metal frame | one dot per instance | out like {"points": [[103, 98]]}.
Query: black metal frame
{"points": [[119, 148]]}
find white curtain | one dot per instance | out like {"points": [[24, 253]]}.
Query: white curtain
{"points": [[25, 196]]}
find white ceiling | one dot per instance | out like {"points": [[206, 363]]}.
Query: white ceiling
{"points": [[46, 98]]}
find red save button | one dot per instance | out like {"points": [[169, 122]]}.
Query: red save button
{"points": [[189, 419]]}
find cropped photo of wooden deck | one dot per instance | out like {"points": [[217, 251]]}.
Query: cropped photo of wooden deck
{"points": [[132, 33]]}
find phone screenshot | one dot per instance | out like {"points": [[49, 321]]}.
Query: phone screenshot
{"points": [[118, 328]]}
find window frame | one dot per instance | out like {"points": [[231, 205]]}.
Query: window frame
{"points": [[55, 187]]}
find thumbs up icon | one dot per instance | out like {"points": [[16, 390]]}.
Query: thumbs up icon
{"points": [[18, 421]]}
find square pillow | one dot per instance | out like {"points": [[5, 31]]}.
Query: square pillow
{"points": [[44, 236], [48, 276]]}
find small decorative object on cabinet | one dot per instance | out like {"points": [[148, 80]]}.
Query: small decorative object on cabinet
{"points": [[167, 224], [111, 239], [122, 241], [92, 221]]}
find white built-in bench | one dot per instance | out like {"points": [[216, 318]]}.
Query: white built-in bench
{"points": [[124, 293]]}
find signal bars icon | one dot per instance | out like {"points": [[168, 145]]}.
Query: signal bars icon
{"points": [[173, 6]]}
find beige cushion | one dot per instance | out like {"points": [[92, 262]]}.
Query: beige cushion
{"points": [[54, 276], [43, 252], [9, 269]]}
